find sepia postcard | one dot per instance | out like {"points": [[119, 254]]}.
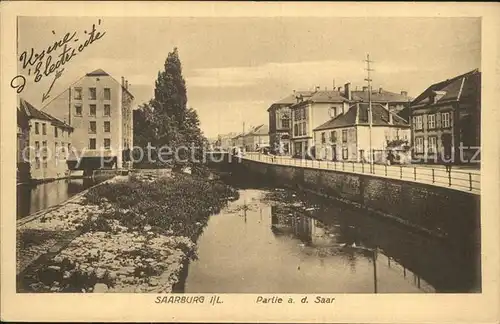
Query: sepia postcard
{"points": [[249, 162]]}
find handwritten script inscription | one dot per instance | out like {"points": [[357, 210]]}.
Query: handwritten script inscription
{"points": [[51, 60]]}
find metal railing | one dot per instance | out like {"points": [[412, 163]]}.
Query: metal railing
{"points": [[456, 179]]}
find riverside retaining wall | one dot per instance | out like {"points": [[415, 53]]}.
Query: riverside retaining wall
{"points": [[441, 211]]}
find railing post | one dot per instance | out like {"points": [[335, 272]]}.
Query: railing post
{"points": [[433, 179], [415, 173], [470, 181], [449, 178], [362, 168], [327, 164], [352, 166], [385, 165], [401, 172], [343, 166]]}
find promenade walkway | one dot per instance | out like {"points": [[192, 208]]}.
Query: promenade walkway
{"points": [[464, 179]]}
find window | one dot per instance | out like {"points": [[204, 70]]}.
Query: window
{"points": [[432, 144], [37, 162], [445, 120], [78, 93], [323, 138], [285, 122], [296, 130], [333, 136], [55, 132], [304, 128], [93, 109], [107, 126], [69, 147], [345, 153], [92, 93], [92, 127], [37, 147], [92, 143], [431, 121], [44, 147], [45, 162], [344, 136], [55, 149], [37, 128], [419, 144], [107, 110], [44, 129], [78, 109], [107, 94], [107, 143], [417, 121]]}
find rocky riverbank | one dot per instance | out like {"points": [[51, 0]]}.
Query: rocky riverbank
{"points": [[133, 235]]}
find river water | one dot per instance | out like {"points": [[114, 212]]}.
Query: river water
{"points": [[32, 198], [281, 241]]}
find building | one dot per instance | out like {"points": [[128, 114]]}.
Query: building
{"points": [[256, 138], [446, 121], [347, 136], [280, 123], [224, 141], [310, 112], [23, 133], [99, 108], [44, 143]]}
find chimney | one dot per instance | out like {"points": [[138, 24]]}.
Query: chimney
{"points": [[404, 93], [365, 88], [317, 89], [333, 84], [126, 84], [123, 81], [339, 89], [347, 91], [380, 90]]}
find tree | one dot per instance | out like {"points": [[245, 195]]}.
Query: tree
{"points": [[167, 119]]}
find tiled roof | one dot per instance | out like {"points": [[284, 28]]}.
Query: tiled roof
{"points": [[29, 111], [380, 96], [328, 96], [358, 115], [462, 86], [98, 72], [259, 130]]}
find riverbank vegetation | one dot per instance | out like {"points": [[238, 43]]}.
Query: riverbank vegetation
{"points": [[138, 238]]}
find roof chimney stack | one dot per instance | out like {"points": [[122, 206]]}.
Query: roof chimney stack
{"points": [[347, 91], [380, 90], [365, 88], [126, 84], [404, 93], [333, 84], [317, 88], [123, 81]]}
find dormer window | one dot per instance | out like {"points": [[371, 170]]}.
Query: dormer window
{"points": [[436, 95]]}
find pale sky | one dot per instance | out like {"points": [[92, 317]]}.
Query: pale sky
{"points": [[235, 68]]}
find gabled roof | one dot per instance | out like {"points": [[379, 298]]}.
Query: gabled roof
{"points": [[382, 96], [328, 96], [98, 72], [29, 111], [259, 130], [290, 99], [358, 115], [461, 86]]}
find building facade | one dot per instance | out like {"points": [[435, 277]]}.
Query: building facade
{"points": [[446, 121], [280, 123], [44, 144], [256, 138], [347, 136], [99, 108]]}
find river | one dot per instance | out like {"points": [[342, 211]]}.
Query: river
{"points": [[282, 241], [34, 197]]}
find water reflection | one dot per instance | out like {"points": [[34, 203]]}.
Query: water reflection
{"points": [[262, 245], [32, 198]]}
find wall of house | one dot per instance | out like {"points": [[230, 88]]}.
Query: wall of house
{"points": [[439, 211], [336, 147], [64, 108], [49, 162]]}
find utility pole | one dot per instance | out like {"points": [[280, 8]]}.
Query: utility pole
{"points": [[370, 115]]}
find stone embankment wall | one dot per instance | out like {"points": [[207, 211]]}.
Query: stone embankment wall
{"points": [[439, 211]]}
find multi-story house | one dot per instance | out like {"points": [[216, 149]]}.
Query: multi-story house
{"points": [[99, 108], [23, 133], [446, 120], [280, 123], [47, 144], [396, 102], [347, 136], [312, 111], [256, 138]]}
